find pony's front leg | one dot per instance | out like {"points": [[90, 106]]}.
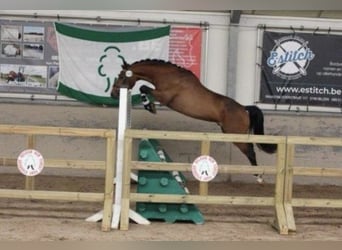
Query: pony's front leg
{"points": [[148, 105]]}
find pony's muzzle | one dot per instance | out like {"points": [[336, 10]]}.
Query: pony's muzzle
{"points": [[115, 92]]}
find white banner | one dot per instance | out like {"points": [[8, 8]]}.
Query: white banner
{"points": [[90, 60]]}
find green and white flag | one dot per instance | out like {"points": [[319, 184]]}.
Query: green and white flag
{"points": [[90, 60]]}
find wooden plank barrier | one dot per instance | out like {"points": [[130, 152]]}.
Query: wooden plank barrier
{"points": [[291, 170], [107, 165], [205, 139]]}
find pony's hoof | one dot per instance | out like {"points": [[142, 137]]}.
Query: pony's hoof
{"points": [[259, 179], [151, 108]]}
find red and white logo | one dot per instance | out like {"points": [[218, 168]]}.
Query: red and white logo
{"points": [[204, 168], [30, 162]]}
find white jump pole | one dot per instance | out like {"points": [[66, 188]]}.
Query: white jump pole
{"points": [[124, 121]]}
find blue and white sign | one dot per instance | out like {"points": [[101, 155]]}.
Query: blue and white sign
{"points": [[290, 57]]}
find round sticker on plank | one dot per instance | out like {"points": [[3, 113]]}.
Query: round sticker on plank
{"points": [[204, 168], [30, 162]]}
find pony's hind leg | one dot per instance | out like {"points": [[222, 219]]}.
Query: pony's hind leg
{"points": [[248, 150], [251, 154], [252, 159], [238, 122]]}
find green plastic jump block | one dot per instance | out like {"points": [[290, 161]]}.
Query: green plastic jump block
{"points": [[163, 182]]}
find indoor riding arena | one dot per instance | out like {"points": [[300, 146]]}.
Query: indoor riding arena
{"points": [[170, 125]]}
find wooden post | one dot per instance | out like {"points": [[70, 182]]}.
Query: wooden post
{"points": [[126, 184], [109, 188], [281, 222], [288, 189], [30, 180], [205, 150]]}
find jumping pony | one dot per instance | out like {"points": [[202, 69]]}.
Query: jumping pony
{"points": [[180, 90]]}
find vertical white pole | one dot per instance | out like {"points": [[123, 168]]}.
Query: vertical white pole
{"points": [[124, 121], [124, 117], [122, 125]]}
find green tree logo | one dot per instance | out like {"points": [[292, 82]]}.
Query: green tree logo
{"points": [[111, 55]]}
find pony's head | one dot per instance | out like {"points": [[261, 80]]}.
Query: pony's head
{"points": [[125, 79]]}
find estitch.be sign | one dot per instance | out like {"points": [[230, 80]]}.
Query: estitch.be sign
{"points": [[301, 68]]}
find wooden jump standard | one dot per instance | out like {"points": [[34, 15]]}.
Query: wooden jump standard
{"points": [[284, 171], [292, 170], [108, 166], [205, 139]]}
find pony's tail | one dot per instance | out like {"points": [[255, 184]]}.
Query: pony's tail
{"points": [[256, 119]]}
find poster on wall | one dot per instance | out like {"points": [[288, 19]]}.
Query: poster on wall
{"points": [[185, 48], [29, 58], [301, 69]]}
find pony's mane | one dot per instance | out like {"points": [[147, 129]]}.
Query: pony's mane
{"points": [[161, 62]]}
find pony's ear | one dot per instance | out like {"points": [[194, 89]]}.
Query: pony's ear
{"points": [[124, 65]]}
